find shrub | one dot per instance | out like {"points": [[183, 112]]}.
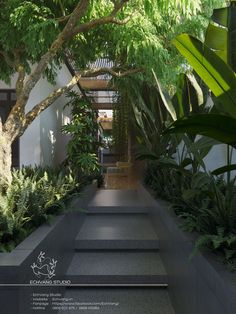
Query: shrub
{"points": [[34, 196], [206, 204]]}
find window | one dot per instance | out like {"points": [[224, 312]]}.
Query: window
{"points": [[7, 100]]}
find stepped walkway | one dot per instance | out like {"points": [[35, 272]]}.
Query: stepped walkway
{"points": [[116, 259]]}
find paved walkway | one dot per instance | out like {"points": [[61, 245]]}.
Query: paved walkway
{"points": [[116, 259]]}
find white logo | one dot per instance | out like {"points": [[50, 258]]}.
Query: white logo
{"points": [[45, 266]]}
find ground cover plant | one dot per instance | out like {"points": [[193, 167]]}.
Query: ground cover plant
{"points": [[205, 204], [34, 196]]}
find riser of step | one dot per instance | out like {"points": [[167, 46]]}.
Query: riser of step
{"points": [[115, 231], [117, 245], [118, 198], [117, 267], [118, 209]]}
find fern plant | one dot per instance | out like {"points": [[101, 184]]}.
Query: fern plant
{"points": [[34, 196]]}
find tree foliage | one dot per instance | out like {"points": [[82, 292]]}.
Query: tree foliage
{"points": [[36, 35], [28, 28]]}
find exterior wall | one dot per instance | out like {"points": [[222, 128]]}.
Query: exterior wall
{"points": [[43, 143], [217, 157], [52, 141]]}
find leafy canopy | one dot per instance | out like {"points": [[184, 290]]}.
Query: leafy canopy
{"points": [[28, 28]]}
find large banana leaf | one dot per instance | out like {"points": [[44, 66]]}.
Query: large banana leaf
{"points": [[188, 97], [219, 127], [216, 74], [165, 99], [221, 34], [224, 169]]}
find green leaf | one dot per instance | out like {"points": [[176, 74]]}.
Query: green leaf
{"points": [[221, 34], [216, 74], [188, 97], [190, 194], [205, 142], [224, 169], [186, 162], [219, 127], [166, 100]]}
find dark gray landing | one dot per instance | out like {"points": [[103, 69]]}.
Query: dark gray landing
{"points": [[116, 231], [120, 201], [120, 301], [117, 268]]}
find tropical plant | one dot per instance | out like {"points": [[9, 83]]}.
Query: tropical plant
{"points": [[154, 109], [220, 34], [214, 61], [222, 82], [83, 145], [33, 197], [204, 204], [210, 61]]}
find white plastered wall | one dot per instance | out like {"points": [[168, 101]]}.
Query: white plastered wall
{"points": [[43, 143]]}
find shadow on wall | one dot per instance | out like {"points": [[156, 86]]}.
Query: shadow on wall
{"points": [[52, 141]]}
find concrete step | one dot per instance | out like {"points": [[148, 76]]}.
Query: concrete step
{"points": [[117, 267], [117, 210], [115, 231], [118, 201], [119, 301]]}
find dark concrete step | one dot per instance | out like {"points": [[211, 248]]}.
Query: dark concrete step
{"points": [[117, 267], [115, 231], [120, 301], [118, 201]]}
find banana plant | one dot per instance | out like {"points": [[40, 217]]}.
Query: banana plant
{"points": [[219, 42], [154, 107], [221, 34], [150, 116], [221, 80], [215, 73]]}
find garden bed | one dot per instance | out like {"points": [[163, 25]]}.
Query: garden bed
{"points": [[56, 240], [199, 285]]}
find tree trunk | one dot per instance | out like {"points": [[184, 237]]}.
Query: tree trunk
{"points": [[5, 159]]}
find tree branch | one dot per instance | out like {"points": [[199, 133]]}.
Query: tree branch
{"points": [[113, 71], [67, 32], [21, 73], [63, 18], [44, 104], [104, 20], [78, 12]]}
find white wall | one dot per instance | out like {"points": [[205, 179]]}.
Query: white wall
{"points": [[43, 143], [52, 141], [217, 157]]}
